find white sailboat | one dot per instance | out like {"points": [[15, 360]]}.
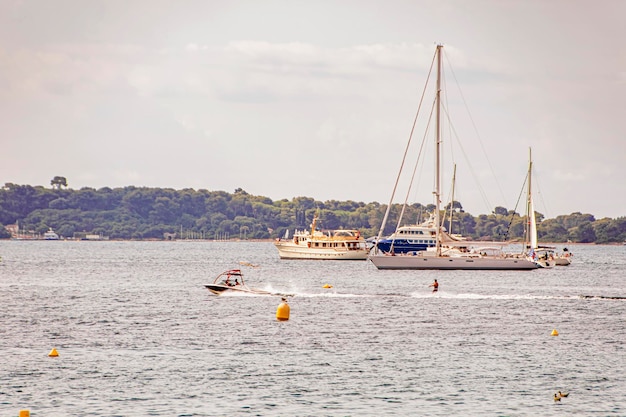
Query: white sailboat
{"points": [[448, 253], [543, 256]]}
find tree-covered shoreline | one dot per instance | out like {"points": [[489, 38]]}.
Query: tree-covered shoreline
{"points": [[153, 213]]}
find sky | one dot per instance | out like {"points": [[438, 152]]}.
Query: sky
{"points": [[290, 99]]}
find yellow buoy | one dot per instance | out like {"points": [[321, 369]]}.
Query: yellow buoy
{"points": [[327, 286], [24, 413], [282, 312], [554, 333], [53, 353]]}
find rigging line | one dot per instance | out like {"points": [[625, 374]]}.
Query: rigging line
{"points": [[519, 197], [450, 202], [482, 192], [446, 109], [540, 193], [453, 133], [482, 146], [419, 156], [382, 226], [444, 105], [450, 129]]}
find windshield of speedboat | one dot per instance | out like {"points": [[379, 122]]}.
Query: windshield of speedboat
{"points": [[231, 278]]}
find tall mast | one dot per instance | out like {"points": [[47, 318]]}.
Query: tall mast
{"points": [[530, 189], [452, 199], [437, 153], [532, 221], [527, 231]]}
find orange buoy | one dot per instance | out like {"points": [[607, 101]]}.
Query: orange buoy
{"points": [[327, 286], [554, 333], [53, 353], [282, 312], [24, 413]]}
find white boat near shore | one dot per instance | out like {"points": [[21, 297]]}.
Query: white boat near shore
{"points": [[339, 244], [50, 235]]}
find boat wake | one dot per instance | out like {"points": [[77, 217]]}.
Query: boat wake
{"points": [[421, 295], [471, 296], [428, 295], [335, 295], [251, 294], [603, 297]]}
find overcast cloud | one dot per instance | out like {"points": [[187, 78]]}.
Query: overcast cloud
{"points": [[316, 99]]}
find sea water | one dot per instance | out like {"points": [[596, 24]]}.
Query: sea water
{"points": [[138, 334]]}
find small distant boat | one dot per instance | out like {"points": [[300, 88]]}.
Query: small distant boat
{"points": [[50, 235], [232, 281], [544, 257], [563, 259], [341, 244]]}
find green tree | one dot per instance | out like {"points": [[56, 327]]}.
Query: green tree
{"points": [[501, 211], [610, 230], [583, 233], [164, 211], [58, 182]]}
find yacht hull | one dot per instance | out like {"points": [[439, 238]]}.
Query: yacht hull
{"points": [[221, 289], [403, 246], [289, 250], [562, 261], [467, 263]]}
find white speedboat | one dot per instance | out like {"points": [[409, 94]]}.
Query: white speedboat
{"points": [[50, 235], [340, 244], [232, 281]]}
